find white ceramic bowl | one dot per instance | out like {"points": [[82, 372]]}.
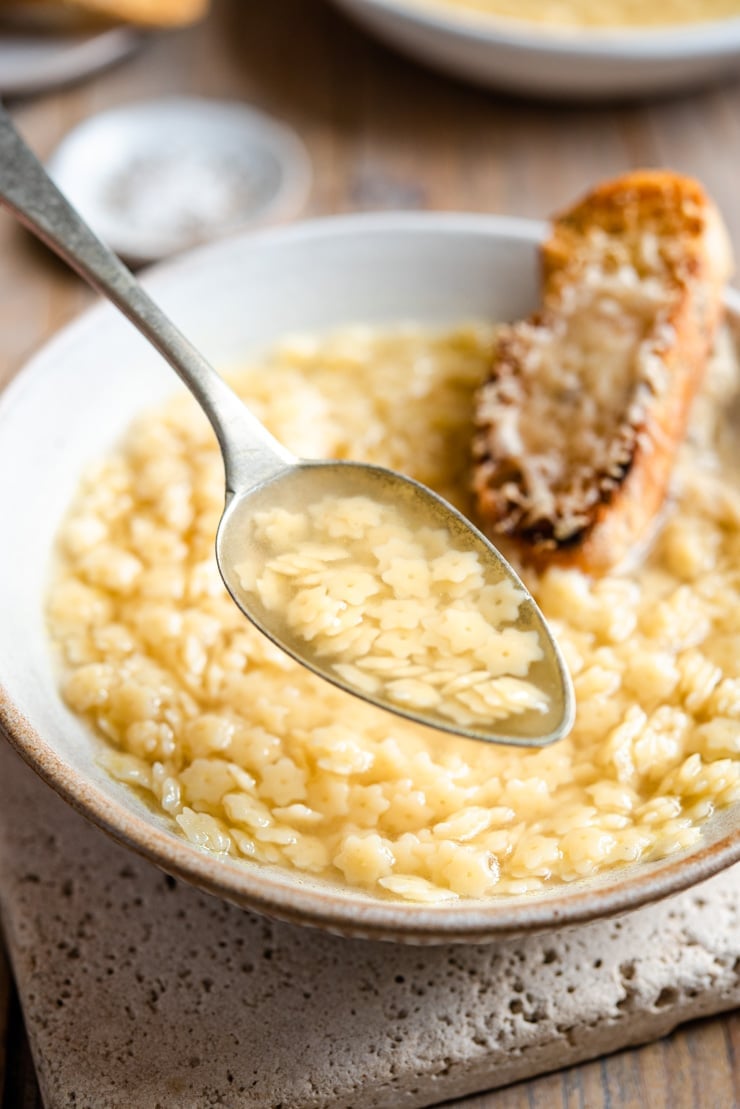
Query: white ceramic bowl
{"points": [[556, 62], [78, 395]]}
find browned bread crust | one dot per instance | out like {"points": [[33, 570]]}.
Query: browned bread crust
{"points": [[587, 401]]}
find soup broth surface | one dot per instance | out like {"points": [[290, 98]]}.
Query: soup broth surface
{"points": [[594, 13], [254, 757]]}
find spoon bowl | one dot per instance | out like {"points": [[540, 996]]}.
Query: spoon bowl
{"points": [[260, 474], [300, 493]]}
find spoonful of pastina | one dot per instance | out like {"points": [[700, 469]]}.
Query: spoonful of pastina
{"points": [[362, 575]]}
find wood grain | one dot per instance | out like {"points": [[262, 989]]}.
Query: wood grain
{"points": [[386, 133]]}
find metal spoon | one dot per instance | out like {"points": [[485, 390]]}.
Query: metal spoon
{"points": [[261, 474]]}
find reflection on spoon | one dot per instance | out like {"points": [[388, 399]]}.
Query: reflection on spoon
{"points": [[362, 575]]}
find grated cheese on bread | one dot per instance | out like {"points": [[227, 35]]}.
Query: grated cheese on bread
{"points": [[587, 401]]}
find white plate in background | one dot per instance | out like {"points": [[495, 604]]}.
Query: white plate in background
{"points": [[32, 62], [155, 177]]}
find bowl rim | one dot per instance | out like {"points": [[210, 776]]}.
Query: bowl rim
{"points": [[283, 897], [669, 42]]}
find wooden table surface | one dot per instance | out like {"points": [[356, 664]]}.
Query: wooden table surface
{"points": [[385, 133]]}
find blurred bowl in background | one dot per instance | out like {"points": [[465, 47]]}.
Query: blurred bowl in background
{"points": [[533, 60]]}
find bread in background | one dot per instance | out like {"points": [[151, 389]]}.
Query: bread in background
{"points": [[71, 14]]}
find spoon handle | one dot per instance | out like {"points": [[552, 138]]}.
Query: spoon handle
{"points": [[250, 453]]}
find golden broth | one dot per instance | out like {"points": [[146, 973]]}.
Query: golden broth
{"points": [[597, 13], [254, 757]]}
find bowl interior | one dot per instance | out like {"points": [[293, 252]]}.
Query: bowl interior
{"points": [[77, 397]]}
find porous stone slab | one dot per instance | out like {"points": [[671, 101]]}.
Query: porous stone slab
{"points": [[141, 993]]}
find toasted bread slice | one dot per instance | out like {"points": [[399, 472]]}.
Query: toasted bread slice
{"points": [[587, 401]]}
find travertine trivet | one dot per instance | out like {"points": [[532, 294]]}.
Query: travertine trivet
{"points": [[141, 993]]}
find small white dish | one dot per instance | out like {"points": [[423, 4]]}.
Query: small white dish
{"points": [[32, 62], [81, 391], [154, 178], [559, 62]]}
